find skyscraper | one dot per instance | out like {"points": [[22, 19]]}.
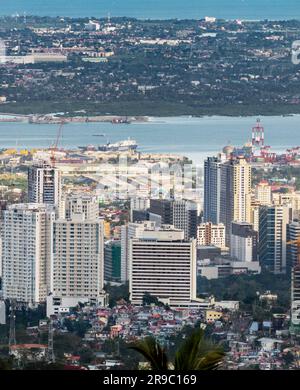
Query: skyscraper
{"points": [[293, 234], [243, 242], [131, 230], [77, 258], [26, 252], [273, 221], [209, 234], [235, 200], [212, 188], [163, 264], [44, 184], [183, 214], [162, 207], [295, 299]]}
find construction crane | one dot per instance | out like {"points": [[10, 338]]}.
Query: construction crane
{"points": [[54, 147], [297, 243]]}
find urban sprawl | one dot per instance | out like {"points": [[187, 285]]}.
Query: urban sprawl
{"points": [[104, 245]]}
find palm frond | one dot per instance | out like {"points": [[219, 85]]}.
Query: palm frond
{"points": [[198, 353], [152, 352]]}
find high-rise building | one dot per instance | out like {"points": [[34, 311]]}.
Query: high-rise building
{"points": [[209, 234], [273, 221], [163, 264], [295, 299], [162, 207], [44, 184], [131, 230], [254, 215], [235, 201], [78, 258], [263, 193], [243, 242], [293, 234], [26, 252], [183, 214], [185, 217], [78, 204], [212, 188], [138, 204], [112, 261]]}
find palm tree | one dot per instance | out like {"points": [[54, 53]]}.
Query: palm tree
{"points": [[196, 353]]}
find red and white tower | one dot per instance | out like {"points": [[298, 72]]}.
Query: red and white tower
{"points": [[258, 134]]}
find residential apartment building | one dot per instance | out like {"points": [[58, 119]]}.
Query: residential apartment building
{"points": [[26, 252], [44, 184], [209, 234]]}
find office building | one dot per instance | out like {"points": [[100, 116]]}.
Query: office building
{"points": [[209, 234], [295, 299], [78, 257], [138, 205], [212, 188], [235, 193], [162, 207], [131, 230], [293, 233], [273, 221], [112, 261], [26, 252], [183, 214], [44, 184], [163, 264], [243, 242]]}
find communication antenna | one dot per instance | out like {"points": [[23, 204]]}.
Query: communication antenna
{"points": [[51, 357], [12, 326]]}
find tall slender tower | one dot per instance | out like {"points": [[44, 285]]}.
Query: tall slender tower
{"points": [[235, 197], [258, 134], [212, 189], [51, 356], [12, 326], [44, 184]]}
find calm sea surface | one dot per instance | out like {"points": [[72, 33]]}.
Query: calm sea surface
{"points": [[192, 137], [157, 9]]}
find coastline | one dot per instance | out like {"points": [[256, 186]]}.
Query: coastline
{"points": [[116, 119]]}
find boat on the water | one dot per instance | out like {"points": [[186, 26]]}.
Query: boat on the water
{"points": [[121, 146]]}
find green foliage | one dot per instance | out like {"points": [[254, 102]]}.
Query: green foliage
{"points": [[196, 353], [153, 353], [243, 288], [117, 293]]}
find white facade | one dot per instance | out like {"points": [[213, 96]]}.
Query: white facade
{"points": [[131, 230], [263, 193], [139, 203], [26, 252], [78, 204], [209, 234], [163, 264], [78, 258], [241, 247], [44, 184]]}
